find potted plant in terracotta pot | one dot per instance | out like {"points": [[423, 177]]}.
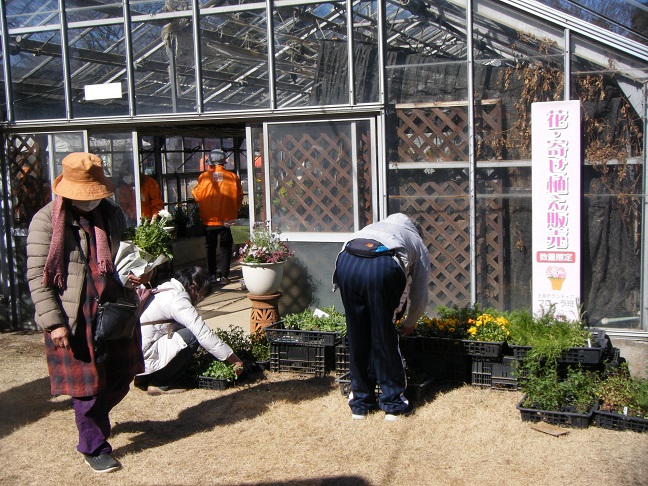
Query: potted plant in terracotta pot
{"points": [[262, 259]]}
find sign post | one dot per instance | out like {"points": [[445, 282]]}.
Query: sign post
{"points": [[556, 207]]}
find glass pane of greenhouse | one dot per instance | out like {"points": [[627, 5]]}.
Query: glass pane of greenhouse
{"points": [[164, 66], [426, 58], [312, 181], [311, 55], [96, 61], [610, 87], [628, 18], [365, 52], [116, 151], [78, 11], [21, 13], [37, 76], [234, 60], [503, 237]]}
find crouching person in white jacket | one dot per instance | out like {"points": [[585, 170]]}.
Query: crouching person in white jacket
{"points": [[172, 330]]}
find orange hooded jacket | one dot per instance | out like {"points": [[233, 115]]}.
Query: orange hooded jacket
{"points": [[219, 195]]}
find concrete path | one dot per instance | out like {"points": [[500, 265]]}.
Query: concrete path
{"points": [[227, 305]]}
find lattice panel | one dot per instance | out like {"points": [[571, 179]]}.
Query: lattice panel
{"points": [[442, 207], [312, 189], [490, 244], [439, 131], [30, 188]]}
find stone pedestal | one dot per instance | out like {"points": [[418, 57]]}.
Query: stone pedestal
{"points": [[265, 310]]}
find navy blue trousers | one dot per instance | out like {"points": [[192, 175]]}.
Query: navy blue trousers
{"points": [[371, 289]]}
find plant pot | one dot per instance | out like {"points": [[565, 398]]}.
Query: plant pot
{"points": [[262, 278], [262, 365]]}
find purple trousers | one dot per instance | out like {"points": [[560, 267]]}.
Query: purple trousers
{"points": [[91, 414]]}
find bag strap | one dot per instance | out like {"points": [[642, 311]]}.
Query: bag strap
{"points": [[144, 296], [87, 265], [159, 321]]}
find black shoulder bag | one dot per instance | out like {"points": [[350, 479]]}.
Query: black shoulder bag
{"points": [[115, 320]]}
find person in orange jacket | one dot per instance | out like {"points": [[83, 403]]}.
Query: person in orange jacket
{"points": [[151, 197], [219, 196]]}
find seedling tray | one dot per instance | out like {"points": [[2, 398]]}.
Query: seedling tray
{"points": [[616, 421], [484, 349], [565, 419], [276, 334], [209, 383]]}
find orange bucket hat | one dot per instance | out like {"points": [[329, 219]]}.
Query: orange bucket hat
{"points": [[83, 178]]}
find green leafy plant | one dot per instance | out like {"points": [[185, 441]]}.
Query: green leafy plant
{"points": [[221, 370], [236, 338], [264, 247], [546, 391], [151, 237], [621, 393], [548, 335], [334, 321], [259, 346]]}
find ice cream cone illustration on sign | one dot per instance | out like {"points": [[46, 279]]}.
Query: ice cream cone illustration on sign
{"points": [[556, 276]]}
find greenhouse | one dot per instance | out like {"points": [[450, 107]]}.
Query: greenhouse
{"points": [[336, 114]]}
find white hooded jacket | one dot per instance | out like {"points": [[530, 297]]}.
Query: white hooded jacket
{"points": [[174, 306]]}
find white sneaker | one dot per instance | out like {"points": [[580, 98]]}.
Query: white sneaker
{"points": [[394, 416], [356, 416]]}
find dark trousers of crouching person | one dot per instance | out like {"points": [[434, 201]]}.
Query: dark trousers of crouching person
{"points": [[371, 290]]}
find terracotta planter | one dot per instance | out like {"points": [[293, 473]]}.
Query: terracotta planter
{"points": [[262, 278]]}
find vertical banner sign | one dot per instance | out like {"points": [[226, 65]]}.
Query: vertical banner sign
{"points": [[556, 193]]}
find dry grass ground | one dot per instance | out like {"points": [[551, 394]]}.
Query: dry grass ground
{"points": [[289, 429]]}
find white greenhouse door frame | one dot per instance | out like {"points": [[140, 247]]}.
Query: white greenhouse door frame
{"points": [[353, 127]]}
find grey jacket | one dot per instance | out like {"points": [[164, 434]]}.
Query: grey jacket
{"points": [[54, 306], [398, 232]]}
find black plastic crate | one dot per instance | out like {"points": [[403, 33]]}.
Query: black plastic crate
{"points": [[508, 374], [520, 352], [209, 383], [582, 355], [566, 419], [444, 368], [436, 345], [616, 421], [409, 345], [482, 371], [484, 349], [299, 358], [413, 392], [341, 358], [276, 334]]}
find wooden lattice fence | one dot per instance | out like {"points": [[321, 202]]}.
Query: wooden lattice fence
{"points": [[29, 184], [312, 183], [438, 133]]}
